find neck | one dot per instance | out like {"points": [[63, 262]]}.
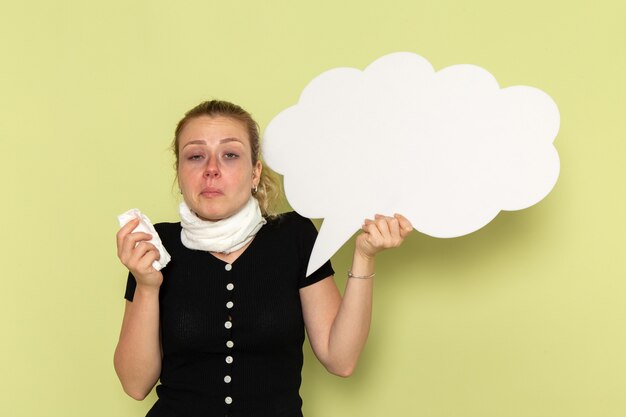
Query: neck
{"points": [[227, 236]]}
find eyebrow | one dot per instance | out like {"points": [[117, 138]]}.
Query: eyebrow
{"points": [[203, 142]]}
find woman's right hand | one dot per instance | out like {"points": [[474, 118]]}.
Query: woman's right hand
{"points": [[137, 254]]}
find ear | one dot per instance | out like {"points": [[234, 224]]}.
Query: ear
{"points": [[256, 173]]}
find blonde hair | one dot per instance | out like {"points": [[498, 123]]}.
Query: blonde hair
{"points": [[268, 191]]}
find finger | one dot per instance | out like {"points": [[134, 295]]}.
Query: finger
{"points": [[394, 231], [142, 256], [147, 259], [390, 231], [126, 229], [130, 242], [405, 224], [383, 225], [373, 232]]}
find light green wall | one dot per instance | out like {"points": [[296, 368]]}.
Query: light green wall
{"points": [[525, 318]]}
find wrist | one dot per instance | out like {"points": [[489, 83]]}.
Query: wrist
{"points": [[362, 265], [370, 276], [146, 290], [363, 258]]}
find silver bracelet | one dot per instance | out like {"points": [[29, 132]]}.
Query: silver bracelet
{"points": [[360, 276]]}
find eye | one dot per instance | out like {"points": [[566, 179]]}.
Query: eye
{"points": [[231, 155], [195, 157]]}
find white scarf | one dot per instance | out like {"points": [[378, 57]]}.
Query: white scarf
{"points": [[224, 236]]}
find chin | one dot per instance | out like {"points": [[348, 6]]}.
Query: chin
{"points": [[214, 215], [214, 210]]}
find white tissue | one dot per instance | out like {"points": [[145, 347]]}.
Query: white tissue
{"points": [[146, 226]]}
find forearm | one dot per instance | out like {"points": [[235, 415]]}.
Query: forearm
{"points": [[337, 327], [351, 326], [138, 354]]}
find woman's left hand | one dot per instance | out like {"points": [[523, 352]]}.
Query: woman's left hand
{"points": [[382, 233]]}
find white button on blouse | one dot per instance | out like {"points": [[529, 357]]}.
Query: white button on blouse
{"points": [[228, 324]]}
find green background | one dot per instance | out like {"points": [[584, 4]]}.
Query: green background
{"points": [[524, 318]]}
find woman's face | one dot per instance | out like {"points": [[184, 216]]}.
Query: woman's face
{"points": [[215, 171]]}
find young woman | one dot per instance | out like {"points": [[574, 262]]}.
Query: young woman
{"points": [[222, 325]]}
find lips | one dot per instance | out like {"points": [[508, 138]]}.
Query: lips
{"points": [[211, 192]]}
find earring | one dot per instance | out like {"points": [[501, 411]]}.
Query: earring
{"points": [[255, 189]]}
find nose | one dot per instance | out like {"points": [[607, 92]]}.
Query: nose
{"points": [[212, 169]]}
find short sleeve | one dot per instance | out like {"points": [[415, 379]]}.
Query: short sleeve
{"points": [[307, 234], [324, 271], [131, 284]]}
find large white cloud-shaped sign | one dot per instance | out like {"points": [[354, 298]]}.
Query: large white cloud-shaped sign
{"points": [[447, 149]]}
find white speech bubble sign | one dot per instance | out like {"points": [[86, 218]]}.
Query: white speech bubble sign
{"points": [[448, 149]]}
